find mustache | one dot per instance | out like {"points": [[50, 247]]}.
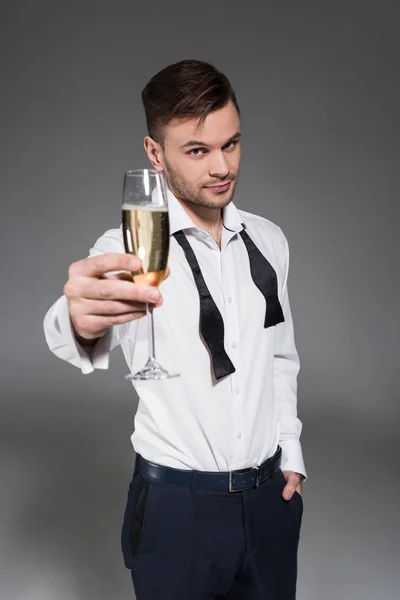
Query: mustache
{"points": [[221, 181]]}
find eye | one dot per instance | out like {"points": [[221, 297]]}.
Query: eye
{"points": [[231, 145], [196, 151]]}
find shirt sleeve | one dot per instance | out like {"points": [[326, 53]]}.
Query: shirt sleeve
{"points": [[58, 329], [286, 369]]}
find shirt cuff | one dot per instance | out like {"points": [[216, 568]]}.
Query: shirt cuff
{"points": [[98, 357], [292, 457]]}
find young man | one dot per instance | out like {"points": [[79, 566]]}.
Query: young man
{"points": [[214, 507]]}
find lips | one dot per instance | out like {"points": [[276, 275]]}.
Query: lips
{"points": [[219, 187]]}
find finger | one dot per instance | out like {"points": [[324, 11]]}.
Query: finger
{"points": [[288, 491], [122, 276], [106, 289], [110, 307], [104, 322], [94, 266], [127, 275]]}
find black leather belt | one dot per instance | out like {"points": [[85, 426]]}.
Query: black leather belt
{"points": [[231, 481]]}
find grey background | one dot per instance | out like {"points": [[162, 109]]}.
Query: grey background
{"points": [[318, 87]]}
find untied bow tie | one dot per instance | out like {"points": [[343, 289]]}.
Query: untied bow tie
{"points": [[211, 321]]}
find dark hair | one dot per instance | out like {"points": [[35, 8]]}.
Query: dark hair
{"points": [[187, 89]]}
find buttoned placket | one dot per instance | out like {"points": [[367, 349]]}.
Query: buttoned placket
{"points": [[230, 314], [232, 342]]}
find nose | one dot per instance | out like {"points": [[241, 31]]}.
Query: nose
{"points": [[218, 166]]}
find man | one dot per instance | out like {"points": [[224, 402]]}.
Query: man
{"points": [[214, 508]]}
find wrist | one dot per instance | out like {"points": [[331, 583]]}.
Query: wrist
{"points": [[86, 342]]}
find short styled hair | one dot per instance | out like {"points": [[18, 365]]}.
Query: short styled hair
{"points": [[187, 89]]}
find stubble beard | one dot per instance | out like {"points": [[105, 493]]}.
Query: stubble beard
{"points": [[186, 192]]}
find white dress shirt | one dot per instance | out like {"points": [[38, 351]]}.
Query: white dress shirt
{"points": [[191, 422]]}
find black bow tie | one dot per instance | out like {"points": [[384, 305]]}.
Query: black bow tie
{"points": [[211, 321]]}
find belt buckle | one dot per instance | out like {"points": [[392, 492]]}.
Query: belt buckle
{"points": [[257, 469], [230, 483]]}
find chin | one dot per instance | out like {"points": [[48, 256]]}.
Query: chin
{"points": [[217, 203], [213, 200]]}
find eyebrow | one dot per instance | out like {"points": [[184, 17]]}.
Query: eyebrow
{"points": [[234, 137]]}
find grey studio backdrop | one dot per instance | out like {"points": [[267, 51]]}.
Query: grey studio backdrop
{"points": [[318, 87]]}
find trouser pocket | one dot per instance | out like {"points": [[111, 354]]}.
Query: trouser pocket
{"points": [[296, 500], [132, 528]]}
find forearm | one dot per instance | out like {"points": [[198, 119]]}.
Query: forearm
{"points": [[286, 368]]}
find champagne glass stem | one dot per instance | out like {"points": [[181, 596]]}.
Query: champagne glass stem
{"points": [[152, 344]]}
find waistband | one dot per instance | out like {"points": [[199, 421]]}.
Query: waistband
{"points": [[230, 481]]}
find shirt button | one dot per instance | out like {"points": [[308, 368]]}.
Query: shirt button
{"points": [[234, 345], [239, 435], [229, 299], [238, 390]]}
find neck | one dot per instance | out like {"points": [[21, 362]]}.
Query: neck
{"points": [[207, 219]]}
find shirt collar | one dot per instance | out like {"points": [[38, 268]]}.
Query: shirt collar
{"points": [[179, 219]]}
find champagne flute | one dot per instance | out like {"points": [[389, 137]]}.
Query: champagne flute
{"points": [[145, 227]]}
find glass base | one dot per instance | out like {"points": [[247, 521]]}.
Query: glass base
{"points": [[152, 371]]}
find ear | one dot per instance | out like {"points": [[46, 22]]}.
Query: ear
{"points": [[154, 152]]}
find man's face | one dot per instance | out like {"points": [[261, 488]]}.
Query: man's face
{"points": [[201, 163]]}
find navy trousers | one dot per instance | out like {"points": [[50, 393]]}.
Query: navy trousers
{"points": [[184, 544]]}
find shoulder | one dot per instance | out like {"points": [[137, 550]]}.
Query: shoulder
{"points": [[265, 233], [271, 241]]}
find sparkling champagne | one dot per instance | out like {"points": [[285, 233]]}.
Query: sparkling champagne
{"points": [[146, 234]]}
